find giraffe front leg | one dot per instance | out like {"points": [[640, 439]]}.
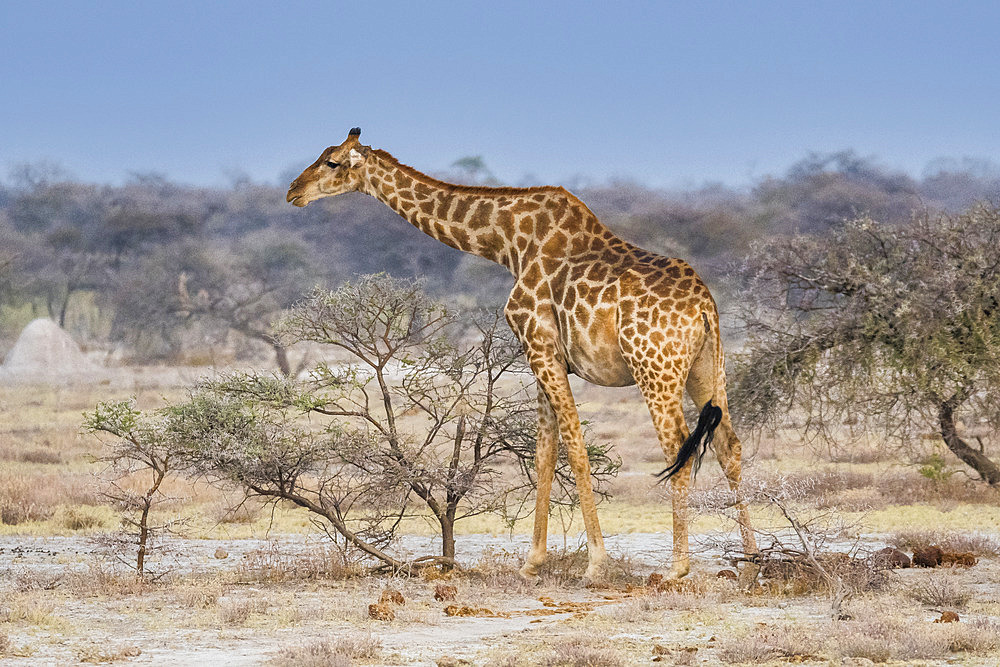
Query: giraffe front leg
{"points": [[550, 371], [545, 467]]}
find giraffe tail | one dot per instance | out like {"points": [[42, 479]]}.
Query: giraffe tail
{"points": [[696, 444]]}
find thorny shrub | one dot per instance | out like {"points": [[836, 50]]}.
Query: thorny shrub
{"points": [[940, 591], [978, 544], [766, 643], [273, 564], [104, 580]]}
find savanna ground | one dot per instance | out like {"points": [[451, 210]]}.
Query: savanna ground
{"points": [[261, 585]]}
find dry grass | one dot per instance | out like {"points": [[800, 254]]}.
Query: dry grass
{"points": [[574, 650], [199, 594], [567, 567], [237, 611], [44, 455], [875, 633], [26, 580], [568, 653], [101, 654], [26, 496], [27, 608], [857, 490], [222, 511], [331, 652]]}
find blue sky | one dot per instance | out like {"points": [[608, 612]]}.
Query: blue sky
{"points": [[668, 93]]}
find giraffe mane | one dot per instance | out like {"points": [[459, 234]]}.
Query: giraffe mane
{"points": [[464, 189]]}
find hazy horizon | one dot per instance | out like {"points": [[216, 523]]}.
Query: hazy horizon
{"points": [[231, 177]]}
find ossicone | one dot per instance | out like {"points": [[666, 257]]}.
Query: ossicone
{"points": [[355, 132]]}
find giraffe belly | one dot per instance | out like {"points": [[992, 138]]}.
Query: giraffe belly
{"points": [[597, 361]]}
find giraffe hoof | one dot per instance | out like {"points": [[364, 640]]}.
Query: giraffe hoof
{"points": [[529, 572], [678, 572], [594, 576]]}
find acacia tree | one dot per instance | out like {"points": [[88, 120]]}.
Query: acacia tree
{"points": [[140, 447], [878, 326], [429, 414]]}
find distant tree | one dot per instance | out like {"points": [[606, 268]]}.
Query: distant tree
{"points": [[876, 327], [127, 228], [57, 265], [825, 190], [956, 185], [472, 170], [241, 288]]}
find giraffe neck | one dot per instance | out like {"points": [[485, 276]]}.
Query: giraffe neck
{"points": [[471, 219]]}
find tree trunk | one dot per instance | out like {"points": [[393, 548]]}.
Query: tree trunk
{"points": [[63, 309], [979, 462], [281, 357], [448, 537], [140, 560]]}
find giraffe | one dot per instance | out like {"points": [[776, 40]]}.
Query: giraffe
{"points": [[584, 302]]}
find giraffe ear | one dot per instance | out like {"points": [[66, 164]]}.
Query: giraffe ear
{"points": [[355, 157]]}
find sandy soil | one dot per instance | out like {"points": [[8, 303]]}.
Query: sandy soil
{"points": [[73, 623]]}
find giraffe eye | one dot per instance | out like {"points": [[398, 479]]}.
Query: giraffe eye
{"points": [[332, 165]]}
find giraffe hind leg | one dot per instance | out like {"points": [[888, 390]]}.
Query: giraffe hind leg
{"points": [[704, 388], [671, 430]]}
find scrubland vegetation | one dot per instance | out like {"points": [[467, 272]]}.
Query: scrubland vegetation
{"points": [[326, 428]]}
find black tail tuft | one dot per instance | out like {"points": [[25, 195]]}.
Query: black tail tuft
{"points": [[696, 443]]}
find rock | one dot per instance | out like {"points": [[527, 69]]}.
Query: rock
{"points": [[392, 596], [947, 617], [726, 574], [927, 556], [958, 559], [443, 592], [891, 558], [221, 553], [381, 612], [655, 580]]}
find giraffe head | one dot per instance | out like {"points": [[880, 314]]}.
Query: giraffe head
{"points": [[337, 170]]}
